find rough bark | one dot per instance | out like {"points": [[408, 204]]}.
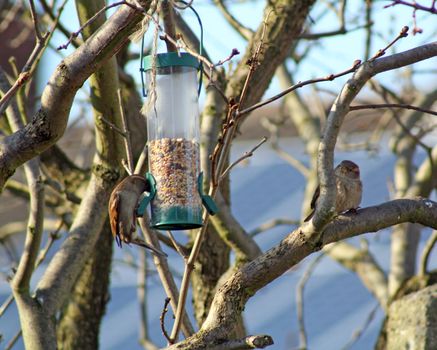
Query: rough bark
{"points": [[283, 20], [49, 122], [33, 319], [338, 112], [405, 238], [80, 321], [67, 264], [230, 299]]}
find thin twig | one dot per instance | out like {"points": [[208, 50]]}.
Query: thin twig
{"points": [[244, 31], [369, 37], [165, 275], [303, 341], [272, 224], [142, 300], [359, 332], [233, 53], [162, 319], [126, 138], [243, 157], [111, 125], [392, 105], [341, 14], [217, 164], [49, 10], [53, 236], [330, 77], [91, 20], [253, 63], [416, 138], [341, 30], [431, 9], [34, 16], [429, 245], [189, 266], [41, 257], [9, 247], [403, 33], [381, 52], [179, 248], [31, 63], [220, 153], [141, 291], [166, 37], [6, 304], [385, 92], [168, 242], [126, 166], [294, 162], [12, 342]]}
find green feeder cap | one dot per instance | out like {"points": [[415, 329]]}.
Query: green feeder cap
{"points": [[171, 59]]}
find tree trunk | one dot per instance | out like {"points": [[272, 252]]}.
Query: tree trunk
{"points": [[80, 322]]}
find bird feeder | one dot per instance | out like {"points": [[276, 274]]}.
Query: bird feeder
{"points": [[172, 113]]}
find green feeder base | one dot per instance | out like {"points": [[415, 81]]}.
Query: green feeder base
{"points": [[176, 218]]}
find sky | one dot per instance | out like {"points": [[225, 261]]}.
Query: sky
{"points": [[333, 55]]}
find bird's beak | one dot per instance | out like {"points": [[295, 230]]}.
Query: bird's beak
{"points": [[356, 171]]}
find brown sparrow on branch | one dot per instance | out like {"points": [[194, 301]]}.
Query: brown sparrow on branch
{"points": [[349, 189], [122, 206]]}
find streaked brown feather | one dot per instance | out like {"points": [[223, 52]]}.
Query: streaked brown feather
{"points": [[122, 203], [114, 203]]}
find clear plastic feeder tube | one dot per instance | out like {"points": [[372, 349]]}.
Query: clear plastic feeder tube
{"points": [[173, 141]]}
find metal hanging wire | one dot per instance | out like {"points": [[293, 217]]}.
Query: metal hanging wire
{"points": [[186, 5]]}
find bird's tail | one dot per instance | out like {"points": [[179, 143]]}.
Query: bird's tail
{"points": [[143, 244]]}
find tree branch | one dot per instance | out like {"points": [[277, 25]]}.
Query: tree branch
{"points": [[272, 224], [21, 280], [245, 32], [330, 77], [168, 15], [303, 339], [31, 63], [165, 275], [231, 298], [249, 342], [337, 114], [430, 243], [49, 123], [66, 265], [392, 105], [431, 9], [233, 233]]}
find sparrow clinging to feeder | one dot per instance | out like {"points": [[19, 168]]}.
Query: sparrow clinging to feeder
{"points": [[122, 211], [349, 189]]}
